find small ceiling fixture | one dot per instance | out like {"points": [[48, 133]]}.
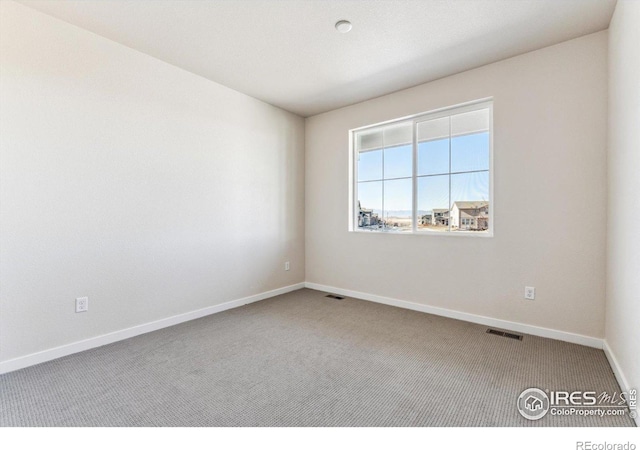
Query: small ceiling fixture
{"points": [[343, 26]]}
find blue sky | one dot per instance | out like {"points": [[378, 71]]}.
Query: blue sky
{"points": [[468, 153]]}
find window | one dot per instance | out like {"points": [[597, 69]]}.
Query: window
{"points": [[428, 174]]}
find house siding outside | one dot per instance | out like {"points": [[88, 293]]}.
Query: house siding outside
{"points": [[470, 215]]}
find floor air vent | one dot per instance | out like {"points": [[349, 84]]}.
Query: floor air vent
{"points": [[334, 296], [505, 334]]}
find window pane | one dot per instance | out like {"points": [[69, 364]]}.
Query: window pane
{"points": [[370, 165], [398, 162], [369, 140], [470, 200], [470, 152], [433, 203], [470, 123], [433, 157], [431, 130], [398, 204], [433, 146], [370, 204], [398, 134]]}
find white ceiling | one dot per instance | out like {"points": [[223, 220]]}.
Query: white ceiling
{"points": [[287, 52]]}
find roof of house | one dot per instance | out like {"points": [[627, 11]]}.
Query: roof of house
{"points": [[471, 205]]}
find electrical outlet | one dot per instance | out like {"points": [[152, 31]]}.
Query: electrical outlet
{"points": [[82, 304], [530, 293], [287, 266]]}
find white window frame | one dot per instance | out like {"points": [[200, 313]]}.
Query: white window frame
{"points": [[486, 103]]}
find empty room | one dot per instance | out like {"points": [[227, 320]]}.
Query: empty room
{"points": [[320, 213]]}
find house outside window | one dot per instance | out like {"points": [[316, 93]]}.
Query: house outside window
{"points": [[428, 174]]}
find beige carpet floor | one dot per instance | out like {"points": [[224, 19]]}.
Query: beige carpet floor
{"points": [[302, 359]]}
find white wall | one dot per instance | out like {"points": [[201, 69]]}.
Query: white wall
{"points": [[549, 204], [623, 212], [149, 189]]}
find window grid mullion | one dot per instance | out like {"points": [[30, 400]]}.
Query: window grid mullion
{"points": [[388, 179], [449, 204], [448, 173], [384, 223], [414, 178]]}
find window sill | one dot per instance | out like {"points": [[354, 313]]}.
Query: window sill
{"points": [[488, 234]]}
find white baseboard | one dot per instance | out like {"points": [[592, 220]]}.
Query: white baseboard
{"points": [[617, 371], [98, 341], [483, 320]]}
